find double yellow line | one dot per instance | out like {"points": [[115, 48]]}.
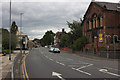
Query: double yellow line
{"points": [[24, 71]]}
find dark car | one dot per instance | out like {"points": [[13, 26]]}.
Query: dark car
{"points": [[56, 50], [2, 52]]}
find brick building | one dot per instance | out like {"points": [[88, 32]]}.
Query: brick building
{"points": [[101, 22], [57, 38]]}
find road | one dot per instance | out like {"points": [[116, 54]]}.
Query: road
{"points": [[40, 63]]}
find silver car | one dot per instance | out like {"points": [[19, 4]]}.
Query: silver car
{"points": [[56, 50], [51, 49]]}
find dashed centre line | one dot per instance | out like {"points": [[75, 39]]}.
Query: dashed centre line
{"points": [[51, 59]]}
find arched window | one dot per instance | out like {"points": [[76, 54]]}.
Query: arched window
{"points": [[90, 27], [101, 21], [94, 20]]}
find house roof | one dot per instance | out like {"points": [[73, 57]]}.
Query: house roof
{"points": [[105, 5], [109, 6]]}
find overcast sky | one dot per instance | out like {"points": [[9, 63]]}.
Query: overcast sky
{"points": [[42, 15]]}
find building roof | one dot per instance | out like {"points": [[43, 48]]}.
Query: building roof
{"points": [[105, 5], [109, 6]]}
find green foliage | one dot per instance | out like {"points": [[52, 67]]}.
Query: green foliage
{"points": [[80, 43], [42, 43], [14, 28], [77, 41], [76, 29], [14, 41], [7, 51], [5, 40], [48, 38], [64, 40], [36, 40]]}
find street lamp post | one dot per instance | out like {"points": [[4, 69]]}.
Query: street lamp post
{"points": [[21, 32], [10, 34]]}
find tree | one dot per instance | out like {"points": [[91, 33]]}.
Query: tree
{"points": [[76, 29], [5, 39], [14, 28], [80, 43], [64, 40], [48, 38], [36, 40]]}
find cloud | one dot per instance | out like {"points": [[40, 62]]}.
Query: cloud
{"points": [[42, 15]]}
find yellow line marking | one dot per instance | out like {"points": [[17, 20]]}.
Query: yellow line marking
{"points": [[25, 69], [23, 72]]}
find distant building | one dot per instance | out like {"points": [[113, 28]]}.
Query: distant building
{"points": [[23, 39], [31, 44], [57, 37], [102, 20]]}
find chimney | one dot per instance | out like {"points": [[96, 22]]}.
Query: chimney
{"points": [[63, 31]]}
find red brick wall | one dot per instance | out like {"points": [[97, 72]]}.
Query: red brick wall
{"points": [[110, 19]]}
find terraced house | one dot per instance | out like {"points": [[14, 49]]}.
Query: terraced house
{"points": [[101, 23]]}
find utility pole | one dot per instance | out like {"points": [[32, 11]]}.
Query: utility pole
{"points": [[21, 32], [10, 34]]}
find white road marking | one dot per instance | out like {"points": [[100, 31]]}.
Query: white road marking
{"points": [[112, 68], [58, 75], [51, 59], [46, 56], [57, 62], [62, 64], [106, 71], [82, 71], [85, 66]]}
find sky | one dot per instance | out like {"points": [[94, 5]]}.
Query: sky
{"points": [[40, 16]]}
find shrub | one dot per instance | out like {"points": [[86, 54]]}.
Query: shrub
{"points": [[79, 43], [7, 51]]}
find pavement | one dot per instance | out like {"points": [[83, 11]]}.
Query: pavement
{"points": [[40, 63], [81, 54], [6, 65]]}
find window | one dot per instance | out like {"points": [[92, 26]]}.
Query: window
{"points": [[96, 22], [93, 23], [90, 25], [101, 21]]}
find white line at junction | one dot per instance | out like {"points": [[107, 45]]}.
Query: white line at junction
{"points": [[106, 71], [82, 71]]}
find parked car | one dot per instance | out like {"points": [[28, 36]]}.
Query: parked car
{"points": [[2, 52], [46, 46], [56, 50], [51, 49]]}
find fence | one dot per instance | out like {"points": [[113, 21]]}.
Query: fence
{"points": [[104, 54]]}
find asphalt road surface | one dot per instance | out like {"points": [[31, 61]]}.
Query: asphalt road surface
{"points": [[40, 63]]}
